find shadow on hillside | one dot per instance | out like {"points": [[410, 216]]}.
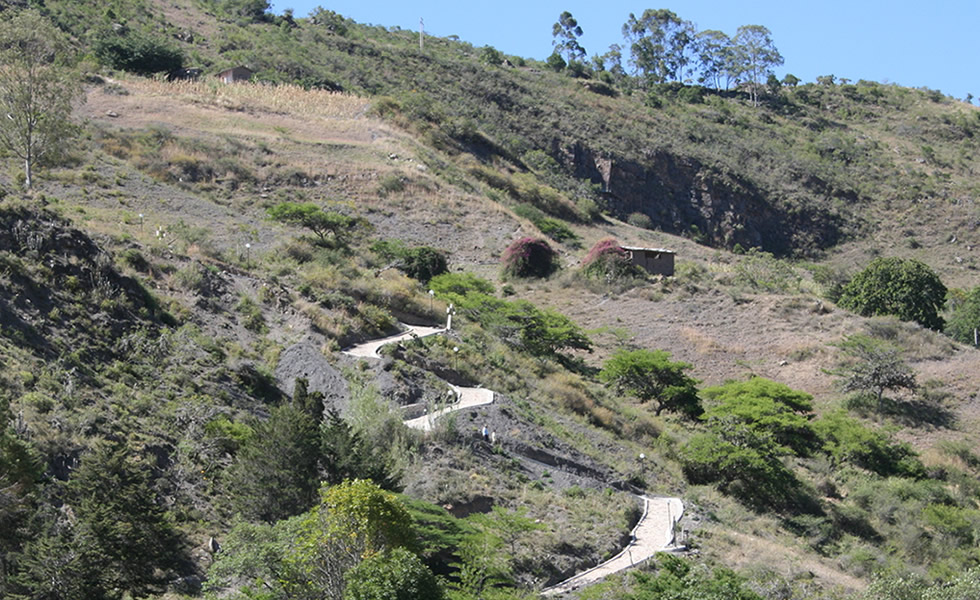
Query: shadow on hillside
{"points": [[914, 412]]}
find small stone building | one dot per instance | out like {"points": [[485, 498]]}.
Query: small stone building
{"points": [[657, 261], [236, 74]]}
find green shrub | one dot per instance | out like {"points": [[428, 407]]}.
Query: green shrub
{"points": [[641, 220], [137, 53], [460, 284], [906, 288]]}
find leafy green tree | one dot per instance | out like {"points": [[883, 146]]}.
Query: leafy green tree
{"points": [[252, 10], [20, 469], [555, 62], [487, 555], [566, 33], [324, 224], [396, 574], [751, 426], [906, 288], [491, 56], [964, 318], [756, 56], [353, 522], [715, 54], [275, 472], [876, 367], [37, 90], [770, 409], [651, 375], [421, 263], [659, 44], [679, 579]]}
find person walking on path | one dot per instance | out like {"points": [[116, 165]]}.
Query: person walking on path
{"points": [[493, 438], [486, 434]]}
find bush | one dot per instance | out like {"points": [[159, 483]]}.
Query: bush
{"points": [[529, 257], [965, 318], [906, 288], [641, 220], [460, 284], [137, 53]]}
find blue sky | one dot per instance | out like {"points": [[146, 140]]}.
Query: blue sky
{"points": [[915, 44]]}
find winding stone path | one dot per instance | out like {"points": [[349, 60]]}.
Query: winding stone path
{"points": [[653, 533]]}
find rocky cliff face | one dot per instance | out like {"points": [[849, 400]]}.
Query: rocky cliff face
{"points": [[682, 196]]}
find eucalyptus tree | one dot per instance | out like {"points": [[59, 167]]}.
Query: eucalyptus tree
{"points": [[660, 43], [756, 56], [566, 33]]}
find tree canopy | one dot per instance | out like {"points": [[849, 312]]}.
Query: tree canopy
{"points": [[566, 33], [651, 375], [324, 224], [906, 288]]}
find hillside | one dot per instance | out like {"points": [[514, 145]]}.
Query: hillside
{"points": [[156, 320]]}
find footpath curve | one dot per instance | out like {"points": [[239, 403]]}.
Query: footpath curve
{"points": [[653, 533]]}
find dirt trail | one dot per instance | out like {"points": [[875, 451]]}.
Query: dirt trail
{"points": [[653, 533]]}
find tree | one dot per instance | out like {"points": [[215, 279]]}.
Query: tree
{"points": [[877, 366], [716, 58], [37, 90], [965, 317], [321, 222], [275, 473], [659, 42], [353, 522], [345, 455], [650, 375], [906, 288], [756, 56], [20, 469], [768, 408], [122, 541], [566, 33], [396, 574], [751, 426]]}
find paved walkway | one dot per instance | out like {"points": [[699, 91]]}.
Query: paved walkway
{"points": [[370, 349], [465, 398], [654, 532]]}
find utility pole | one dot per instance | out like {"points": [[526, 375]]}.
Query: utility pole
{"points": [[421, 34]]}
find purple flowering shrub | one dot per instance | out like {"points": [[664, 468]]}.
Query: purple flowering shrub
{"points": [[529, 257], [608, 261]]}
